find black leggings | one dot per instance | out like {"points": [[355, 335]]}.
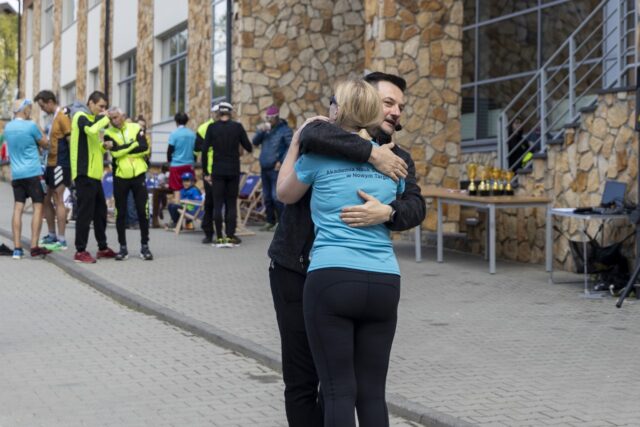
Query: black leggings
{"points": [[138, 187], [350, 317], [225, 193], [92, 206]]}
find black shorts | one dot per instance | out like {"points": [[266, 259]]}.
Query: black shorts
{"points": [[28, 188], [56, 175]]}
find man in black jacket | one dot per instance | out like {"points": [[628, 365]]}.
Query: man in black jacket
{"points": [[289, 250], [224, 137]]}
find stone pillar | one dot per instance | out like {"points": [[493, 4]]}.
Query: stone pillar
{"points": [[81, 51], [290, 53], [57, 46], [199, 61], [106, 62], [422, 42], [23, 52], [144, 60], [35, 50]]}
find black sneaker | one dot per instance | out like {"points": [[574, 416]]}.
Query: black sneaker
{"points": [[207, 240], [234, 240], [145, 253], [123, 254]]}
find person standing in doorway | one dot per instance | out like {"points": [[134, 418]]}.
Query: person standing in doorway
{"points": [[274, 135], [58, 170], [86, 153], [225, 137], [180, 153], [23, 140]]}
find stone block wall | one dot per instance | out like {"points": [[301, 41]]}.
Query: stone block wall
{"points": [[198, 62], [81, 50], [290, 53], [144, 59]]}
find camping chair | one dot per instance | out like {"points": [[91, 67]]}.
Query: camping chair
{"points": [[107, 188], [249, 202], [185, 215]]}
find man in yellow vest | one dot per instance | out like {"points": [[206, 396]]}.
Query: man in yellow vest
{"points": [[207, 161], [129, 148], [86, 153]]}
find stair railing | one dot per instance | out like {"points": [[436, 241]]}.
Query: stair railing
{"points": [[600, 54]]}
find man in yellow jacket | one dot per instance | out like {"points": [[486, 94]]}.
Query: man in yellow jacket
{"points": [[129, 148], [86, 153]]}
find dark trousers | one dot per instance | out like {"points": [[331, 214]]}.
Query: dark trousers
{"points": [[174, 211], [350, 317], [298, 371], [207, 218], [272, 205], [92, 206], [225, 193], [122, 188], [159, 203]]}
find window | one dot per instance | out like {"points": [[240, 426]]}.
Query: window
{"points": [[127, 85], [69, 12], [93, 3], [93, 80], [69, 93], [220, 59], [174, 74], [47, 22], [29, 36], [504, 45]]}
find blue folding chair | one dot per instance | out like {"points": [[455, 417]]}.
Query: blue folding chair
{"points": [[249, 202]]}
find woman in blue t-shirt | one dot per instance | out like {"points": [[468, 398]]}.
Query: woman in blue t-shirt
{"points": [[353, 286]]}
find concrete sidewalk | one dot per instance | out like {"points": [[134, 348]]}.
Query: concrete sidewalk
{"points": [[471, 348]]}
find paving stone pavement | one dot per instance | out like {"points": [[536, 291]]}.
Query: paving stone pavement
{"points": [[70, 356], [493, 350]]}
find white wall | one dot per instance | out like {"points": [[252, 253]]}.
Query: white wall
{"points": [[28, 76], [68, 62], [169, 14], [46, 67], [125, 28], [93, 38]]}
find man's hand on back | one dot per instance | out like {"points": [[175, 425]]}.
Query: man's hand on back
{"points": [[372, 212], [386, 162]]}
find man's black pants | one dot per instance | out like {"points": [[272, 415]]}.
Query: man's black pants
{"points": [[138, 187], [92, 206], [207, 218], [225, 193], [301, 396]]}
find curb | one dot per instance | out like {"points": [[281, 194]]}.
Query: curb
{"points": [[397, 404]]}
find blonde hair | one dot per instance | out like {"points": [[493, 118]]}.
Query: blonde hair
{"points": [[359, 105]]}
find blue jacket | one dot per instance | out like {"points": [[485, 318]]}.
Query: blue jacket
{"points": [[275, 144], [191, 193]]}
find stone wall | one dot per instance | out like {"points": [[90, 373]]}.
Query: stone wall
{"points": [[81, 50], [144, 60], [199, 62], [290, 53], [35, 49], [57, 46]]}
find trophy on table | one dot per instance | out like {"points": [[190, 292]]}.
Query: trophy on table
{"points": [[483, 188], [508, 176], [496, 187], [472, 169]]}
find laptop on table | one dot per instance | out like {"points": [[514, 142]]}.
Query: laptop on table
{"points": [[612, 201]]}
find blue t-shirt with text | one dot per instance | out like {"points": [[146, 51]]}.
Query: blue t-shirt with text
{"points": [[183, 141], [22, 138], [334, 183]]}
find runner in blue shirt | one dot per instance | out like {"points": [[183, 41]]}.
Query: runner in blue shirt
{"points": [[23, 138], [352, 289]]}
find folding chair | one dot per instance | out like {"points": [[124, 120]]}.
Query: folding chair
{"points": [[185, 215], [249, 202], [107, 188]]}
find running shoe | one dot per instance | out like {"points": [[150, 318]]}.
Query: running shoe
{"points": [[268, 227], [207, 240], [223, 242], [105, 253], [47, 240], [39, 251], [122, 254], [84, 257], [145, 253], [234, 241], [56, 246], [18, 253]]}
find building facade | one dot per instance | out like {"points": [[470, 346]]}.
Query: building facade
{"points": [[464, 60]]}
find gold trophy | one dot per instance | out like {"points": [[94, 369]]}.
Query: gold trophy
{"points": [[508, 176], [495, 188], [472, 169], [483, 189]]}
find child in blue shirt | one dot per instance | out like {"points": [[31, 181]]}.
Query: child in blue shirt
{"points": [[188, 192]]}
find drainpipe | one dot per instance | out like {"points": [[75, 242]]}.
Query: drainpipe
{"points": [[107, 11]]}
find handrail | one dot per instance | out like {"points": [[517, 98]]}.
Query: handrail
{"points": [[610, 48]]}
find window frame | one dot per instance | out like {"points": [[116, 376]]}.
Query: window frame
{"points": [[65, 4], [128, 68], [165, 65], [46, 11], [226, 50]]}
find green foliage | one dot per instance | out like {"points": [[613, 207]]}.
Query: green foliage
{"points": [[8, 56]]}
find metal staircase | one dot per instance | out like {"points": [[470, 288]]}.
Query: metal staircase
{"points": [[599, 54]]}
